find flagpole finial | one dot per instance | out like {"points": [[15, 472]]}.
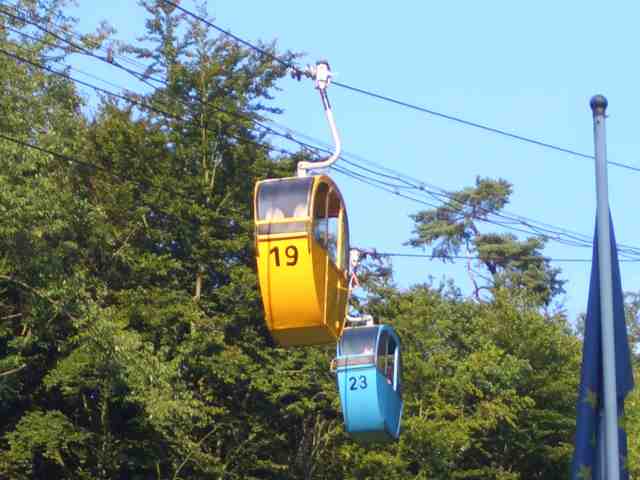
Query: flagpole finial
{"points": [[598, 104]]}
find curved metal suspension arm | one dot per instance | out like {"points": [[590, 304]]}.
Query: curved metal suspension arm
{"points": [[362, 320], [322, 74]]}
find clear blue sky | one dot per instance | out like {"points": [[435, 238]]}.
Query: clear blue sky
{"points": [[526, 68]]}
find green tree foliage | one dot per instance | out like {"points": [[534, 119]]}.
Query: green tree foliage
{"points": [[632, 427], [480, 401], [452, 229], [632, 314], [132, 341], [42, 222], [130, 283]]}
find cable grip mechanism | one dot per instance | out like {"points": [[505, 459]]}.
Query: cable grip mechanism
{"points": [[321, 73]]}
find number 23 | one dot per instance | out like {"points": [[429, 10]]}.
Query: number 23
{"points": [[359, 382]]}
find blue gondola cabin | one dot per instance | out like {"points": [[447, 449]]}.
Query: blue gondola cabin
{"points": [[368, 369]]}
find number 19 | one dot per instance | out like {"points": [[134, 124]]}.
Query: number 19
{"points": [[291, 252]]}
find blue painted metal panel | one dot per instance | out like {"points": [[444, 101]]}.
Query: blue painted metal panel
{"points": [[371, 403]]}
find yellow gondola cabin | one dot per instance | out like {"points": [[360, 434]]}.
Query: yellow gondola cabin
{"points": [[302, 249]]}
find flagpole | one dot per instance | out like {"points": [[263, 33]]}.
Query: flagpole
{"points": [[598, 106]]}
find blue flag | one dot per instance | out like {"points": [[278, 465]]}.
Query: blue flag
{"points": [[588, 456]]}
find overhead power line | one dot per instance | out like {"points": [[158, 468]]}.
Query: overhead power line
{"points": [[75, 46], [481, 126], [238, 39], [375, 253], [132, 101], [555, 237], [166, 213], [405, 186], [509, 222], [257, 120], [76, 69], [406, 182], [26, 17], [75, 160], [396, 101], [413, 184]]}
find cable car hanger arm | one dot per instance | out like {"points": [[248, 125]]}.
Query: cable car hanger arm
{"points": [[322, 74]]}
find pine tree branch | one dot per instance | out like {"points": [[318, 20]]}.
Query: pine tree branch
{"points": [[38, 293], [14, 370], [184, 462]]}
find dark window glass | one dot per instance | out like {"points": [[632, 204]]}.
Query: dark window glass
{"points": [[391, 357], [382, 352], [320, 225], [332, 239], [332, 226], [386, 356], [344, 252], [284, 199], [399, 375], [358, 341]]}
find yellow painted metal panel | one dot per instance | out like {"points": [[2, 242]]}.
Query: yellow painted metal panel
{"points": [[292, 295], [336, 304], [287, 282], [304, 294]]}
